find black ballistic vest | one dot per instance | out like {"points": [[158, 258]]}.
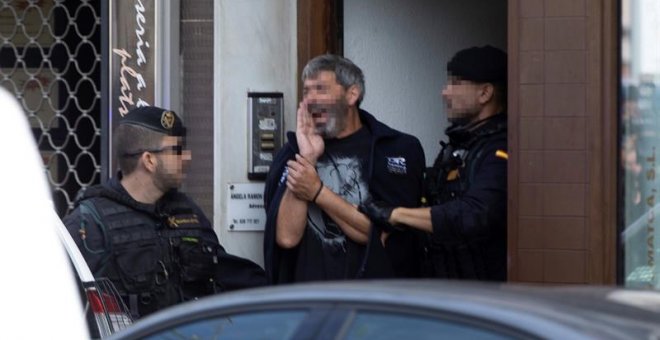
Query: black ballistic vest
{"points": [[155, 257], [452, 174]]}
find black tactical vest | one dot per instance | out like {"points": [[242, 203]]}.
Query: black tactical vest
{"points": [[454, 169], [155, 257], [452, 175]]}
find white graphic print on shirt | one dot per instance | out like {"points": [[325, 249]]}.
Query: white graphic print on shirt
{"points": [[344, 177]]}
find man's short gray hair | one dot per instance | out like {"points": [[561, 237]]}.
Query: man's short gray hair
{"points": [[346, 72]]}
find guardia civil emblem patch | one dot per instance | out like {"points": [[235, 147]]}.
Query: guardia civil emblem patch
{"points": [[167, 119]]}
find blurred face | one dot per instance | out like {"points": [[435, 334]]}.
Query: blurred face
{"points": [[172, 160], [327, 103], [461, 99]]}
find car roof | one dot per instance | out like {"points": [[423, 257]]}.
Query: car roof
{"points": [[38, 293], [598, 312]]}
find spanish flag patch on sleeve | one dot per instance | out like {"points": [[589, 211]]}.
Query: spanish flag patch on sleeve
{"points": [[502, 154]]}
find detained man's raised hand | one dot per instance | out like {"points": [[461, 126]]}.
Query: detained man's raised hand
{"points": [[310, 143]]}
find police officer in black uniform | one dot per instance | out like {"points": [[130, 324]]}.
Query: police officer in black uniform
{"points": [[467, 185], [138, 230]]}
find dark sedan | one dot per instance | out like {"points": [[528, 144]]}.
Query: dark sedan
{"points": [[422, 309]]}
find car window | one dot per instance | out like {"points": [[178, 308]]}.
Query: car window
{"points": [[261, 325], [387, 325]]}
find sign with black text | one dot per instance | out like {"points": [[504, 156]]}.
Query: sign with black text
{"points": [[245, 206]]}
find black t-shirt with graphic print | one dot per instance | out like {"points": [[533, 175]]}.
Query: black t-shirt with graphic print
{"points": [[325, 252]]}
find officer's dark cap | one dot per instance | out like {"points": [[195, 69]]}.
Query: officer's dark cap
{"points": [[156, 119], [485, 64]]}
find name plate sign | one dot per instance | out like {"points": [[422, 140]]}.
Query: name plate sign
{"points": [[245, 207]]}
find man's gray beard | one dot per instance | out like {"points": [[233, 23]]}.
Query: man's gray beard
{"points": [[335, 124], [330, 129]]}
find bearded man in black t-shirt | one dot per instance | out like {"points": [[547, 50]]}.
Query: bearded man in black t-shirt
{"points": [[339, 157]]}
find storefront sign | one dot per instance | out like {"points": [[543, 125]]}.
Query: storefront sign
{"points": [[245, 206], [132, 58]]}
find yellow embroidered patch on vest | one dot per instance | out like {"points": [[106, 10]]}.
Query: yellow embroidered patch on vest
{"points": [[502, 154], [184, 220]]}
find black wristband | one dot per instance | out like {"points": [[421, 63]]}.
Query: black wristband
{"points": [[318, 192]]}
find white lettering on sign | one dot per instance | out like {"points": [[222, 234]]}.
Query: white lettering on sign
{"points": [[261, 168], [267, 124], [245, 206], [139, 32], [266, 156], [141, 103], [266, 100], [126, 94]]}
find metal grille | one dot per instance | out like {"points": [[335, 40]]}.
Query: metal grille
{"points": [[50, 58]]}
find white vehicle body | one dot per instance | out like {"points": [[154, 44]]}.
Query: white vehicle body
{"points": [[39, 294], [109, 314]]}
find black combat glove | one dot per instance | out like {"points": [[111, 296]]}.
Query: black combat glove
{"points": [[379, 213]]}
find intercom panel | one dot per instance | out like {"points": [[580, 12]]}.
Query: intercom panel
{"points": [[266, 131]]}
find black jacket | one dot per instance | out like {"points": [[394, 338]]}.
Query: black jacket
{"points": [[469, 210], [400, 257], [155, 255]]}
